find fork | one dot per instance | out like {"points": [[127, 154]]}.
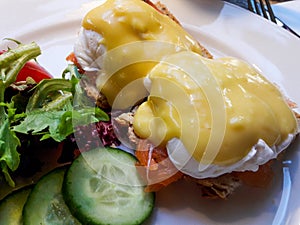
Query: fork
{"points": [[265, 10]]}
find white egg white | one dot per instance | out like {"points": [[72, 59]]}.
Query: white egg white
{"points": [[259, 154]]}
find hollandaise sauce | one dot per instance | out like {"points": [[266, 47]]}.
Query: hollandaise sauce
{"points": [[182, 105]]}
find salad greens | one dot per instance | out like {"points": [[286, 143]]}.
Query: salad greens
{"points": [[11, 63], [52, 110]]}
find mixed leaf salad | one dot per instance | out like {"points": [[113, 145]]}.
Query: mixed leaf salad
{"points": [[35, 104], [38, 112]]}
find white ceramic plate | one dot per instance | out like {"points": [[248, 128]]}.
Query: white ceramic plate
{"points": [[225, 30]]}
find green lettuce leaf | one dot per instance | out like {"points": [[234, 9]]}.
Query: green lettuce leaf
{"points": [[9, 157], [58, 124]]}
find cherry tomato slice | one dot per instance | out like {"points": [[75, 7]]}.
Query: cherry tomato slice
{"points": [[33, 70]]}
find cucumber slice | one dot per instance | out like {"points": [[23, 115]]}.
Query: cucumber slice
{"points": [[45, 204], [102, 186], [12, 205]]}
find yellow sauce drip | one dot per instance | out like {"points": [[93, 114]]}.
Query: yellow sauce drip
{"points": [[125, 21], [254, 108]]}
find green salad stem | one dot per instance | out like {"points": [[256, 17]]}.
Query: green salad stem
{"points": [[11, 62]]}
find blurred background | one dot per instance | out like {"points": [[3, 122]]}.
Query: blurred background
{"points": [[243, 3]]}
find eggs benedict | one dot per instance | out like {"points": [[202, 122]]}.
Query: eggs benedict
{"points": [[114, 24], [234, 123], [205, 117]]}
